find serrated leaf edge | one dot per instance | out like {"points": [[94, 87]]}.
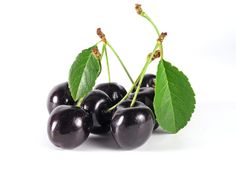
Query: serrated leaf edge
{"points": [[194, 103]]}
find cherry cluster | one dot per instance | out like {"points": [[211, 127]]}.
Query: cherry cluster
{"points": [[69, 125]]}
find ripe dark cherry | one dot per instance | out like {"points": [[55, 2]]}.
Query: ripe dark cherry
{"points": [[115, 91], [146, 96], [149, 81], [132, 126], [59, 95], [68, 126], [97, 103]]}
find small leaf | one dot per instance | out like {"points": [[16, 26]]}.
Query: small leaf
{"points": [[174, 100], [83, 73]]}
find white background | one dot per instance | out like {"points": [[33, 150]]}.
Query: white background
{"points": [[39, 41]]}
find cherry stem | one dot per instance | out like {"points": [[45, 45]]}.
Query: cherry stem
{"points": [[143, 14], [161, 50], [143, 72], [121, 62], [149, 60], [150, 57], [108, 66], [126, 96], [103, 50], [139, 79]]}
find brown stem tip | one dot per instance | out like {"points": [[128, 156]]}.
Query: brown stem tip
{"points": [[101, 35], [96, 53], [162, 37], [138, 8]]}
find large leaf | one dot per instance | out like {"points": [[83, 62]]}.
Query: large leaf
{"points": [[83, 73], [174, 100]]}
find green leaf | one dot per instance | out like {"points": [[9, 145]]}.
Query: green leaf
{"points": [[83, 73], [174, 100]]}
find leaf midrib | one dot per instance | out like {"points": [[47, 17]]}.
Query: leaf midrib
{"points": [[77, 93], [169, 93]]}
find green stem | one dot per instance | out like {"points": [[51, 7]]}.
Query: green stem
{"points": [[141, 76], [121, 62], [108, 66], [103, 50], [143, 14], [161, 50], [126, 96], [149, 60], [154, 50], [123, 99]]}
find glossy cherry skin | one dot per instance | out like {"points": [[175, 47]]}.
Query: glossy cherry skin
{"points": [[132, 126], [59, 95], [97, 103], [69, 126], [115, 91], [149, 81], [146, 96]]}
